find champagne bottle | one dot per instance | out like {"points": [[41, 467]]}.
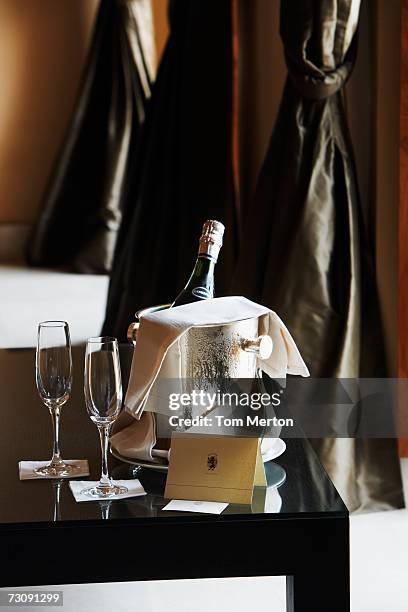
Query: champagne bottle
{"points": [[200, 285]]}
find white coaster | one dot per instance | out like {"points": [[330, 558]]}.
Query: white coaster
{"points": [[134, 488], [27, 469], [206, 507]]}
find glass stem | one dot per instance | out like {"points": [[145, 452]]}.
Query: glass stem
{"points": [[56, 454], [105, 480]]}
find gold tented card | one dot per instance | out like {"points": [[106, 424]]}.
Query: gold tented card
{"points": [[214, 468]]}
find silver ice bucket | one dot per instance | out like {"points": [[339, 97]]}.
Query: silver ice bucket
{"points": [[213, 358]]}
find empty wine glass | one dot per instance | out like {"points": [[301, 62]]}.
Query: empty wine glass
{"points": [[53, 368], [103, 398]]}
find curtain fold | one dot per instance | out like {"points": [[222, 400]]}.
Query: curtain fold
{"points": [[304, 252], [82, 208], [182, 173]]}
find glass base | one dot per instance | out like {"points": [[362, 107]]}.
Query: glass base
{"points": [[57, 470], [104, 492]]}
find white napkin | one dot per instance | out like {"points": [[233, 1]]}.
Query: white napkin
{"points": [[158, 331], [204, 507], [27, 469], [134, 488]]}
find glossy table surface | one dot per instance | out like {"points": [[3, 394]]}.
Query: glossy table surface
{"points": [[26, 434]]}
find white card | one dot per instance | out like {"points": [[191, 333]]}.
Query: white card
{"points": [[206, 507]]}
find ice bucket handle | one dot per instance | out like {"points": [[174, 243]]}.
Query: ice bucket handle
{"points": [[261, 346], [132, 332]]}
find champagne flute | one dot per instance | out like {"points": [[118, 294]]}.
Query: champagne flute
{"points": [[103, 398], [53, 368]]}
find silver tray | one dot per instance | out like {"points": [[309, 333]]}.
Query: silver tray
{"points": [[144, 464]]}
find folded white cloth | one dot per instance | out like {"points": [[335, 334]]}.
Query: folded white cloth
{"points": [[27, 469], [134, 489], [158, 331]]}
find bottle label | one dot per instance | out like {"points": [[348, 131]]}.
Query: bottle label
{"points": [[202, 293]]}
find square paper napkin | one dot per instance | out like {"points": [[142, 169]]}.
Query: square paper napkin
{"points": [[27, 469], [134, 488]]}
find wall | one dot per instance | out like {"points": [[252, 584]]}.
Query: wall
{"points": [[161, 27], [43, 44]]}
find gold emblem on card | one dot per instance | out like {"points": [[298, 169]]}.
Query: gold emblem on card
{"points": [[212, 462]]}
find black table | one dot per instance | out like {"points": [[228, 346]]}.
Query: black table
{"points": [[48, 538]]}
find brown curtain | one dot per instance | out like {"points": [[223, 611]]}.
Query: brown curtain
{"points": [[183, 172], [82, 208], [304, 252]]}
